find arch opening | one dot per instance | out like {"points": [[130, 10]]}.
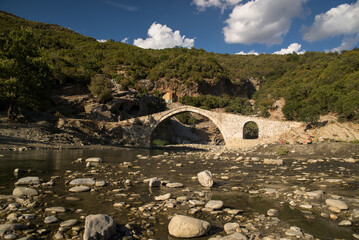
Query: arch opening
{"points": [[186, 127], [250, 130]]}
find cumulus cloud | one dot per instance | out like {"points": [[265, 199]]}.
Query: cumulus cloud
{"points": [[261, 21], [252, 52], [160, 37], [347, 43], [341, 20], [101, 40], [294, 47], [223, 4]]}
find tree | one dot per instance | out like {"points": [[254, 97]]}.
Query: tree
{"points": [[24, 77]]}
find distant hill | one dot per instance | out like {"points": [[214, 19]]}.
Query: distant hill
{"points": [[312, 84]]}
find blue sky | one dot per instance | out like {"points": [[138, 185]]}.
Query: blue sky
{"points": [[221, 26]]}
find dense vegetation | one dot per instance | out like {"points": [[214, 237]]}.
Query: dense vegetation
{"points": [[312, 84]]}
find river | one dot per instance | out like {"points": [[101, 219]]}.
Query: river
{"points": [[177, 167]]}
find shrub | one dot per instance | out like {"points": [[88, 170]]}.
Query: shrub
{"points": [[159, 142], [101, 88], [282, 151]]}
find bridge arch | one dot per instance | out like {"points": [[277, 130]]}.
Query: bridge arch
{"points": [[250, 130], [205, 113]]}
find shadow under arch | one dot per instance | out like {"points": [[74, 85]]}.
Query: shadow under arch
{"points": [[185, 110], [250, 130]]}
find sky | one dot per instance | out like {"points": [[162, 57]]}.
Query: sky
{"points": [[220, 26]]}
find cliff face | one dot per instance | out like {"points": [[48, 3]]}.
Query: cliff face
{"points": [[210, 87]]}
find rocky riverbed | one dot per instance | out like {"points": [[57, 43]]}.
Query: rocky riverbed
{"points": [[242, 195]]}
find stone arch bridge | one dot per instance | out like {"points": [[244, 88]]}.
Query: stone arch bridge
{"points": [[139, 130]]}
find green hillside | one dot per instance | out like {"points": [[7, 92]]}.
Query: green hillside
{"points": [[312, 84]]}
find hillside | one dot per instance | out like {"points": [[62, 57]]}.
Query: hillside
{"points": [[311, 84]]}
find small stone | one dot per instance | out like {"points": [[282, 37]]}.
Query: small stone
{"points": [[68, 223], [55, 209], [163, 197], [23, 191], [154, 182], [28, 181], [205, 178], [230, 228], [272, 212], [51, 219], [234, 236], [214, 204], [94, 160], [58, 235], [337, 204], [100, 226], [345, 223], [80, 189], [100, 183], [83, 181], [273, 161], [306, 206], [174, 185]]}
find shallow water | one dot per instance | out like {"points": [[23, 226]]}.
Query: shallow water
{"points": [[47, 163]]}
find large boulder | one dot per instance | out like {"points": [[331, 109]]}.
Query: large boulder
{"points": [[205, 178], [99, 227], [187, 227]]}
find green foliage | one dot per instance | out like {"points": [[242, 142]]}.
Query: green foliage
{"points": [[282, 151], [234, 105], [101, 88], [159, 142], [313, 84], [24, 77], [186, 118], [250, 130]]}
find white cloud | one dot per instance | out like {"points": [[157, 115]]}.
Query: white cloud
{"points": [[294, 47], [347, 43], [252, 52], [122, 6], [125, 40], [261, 21], [161, 36], [101, 40], [223, 4], [342, 20]]}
